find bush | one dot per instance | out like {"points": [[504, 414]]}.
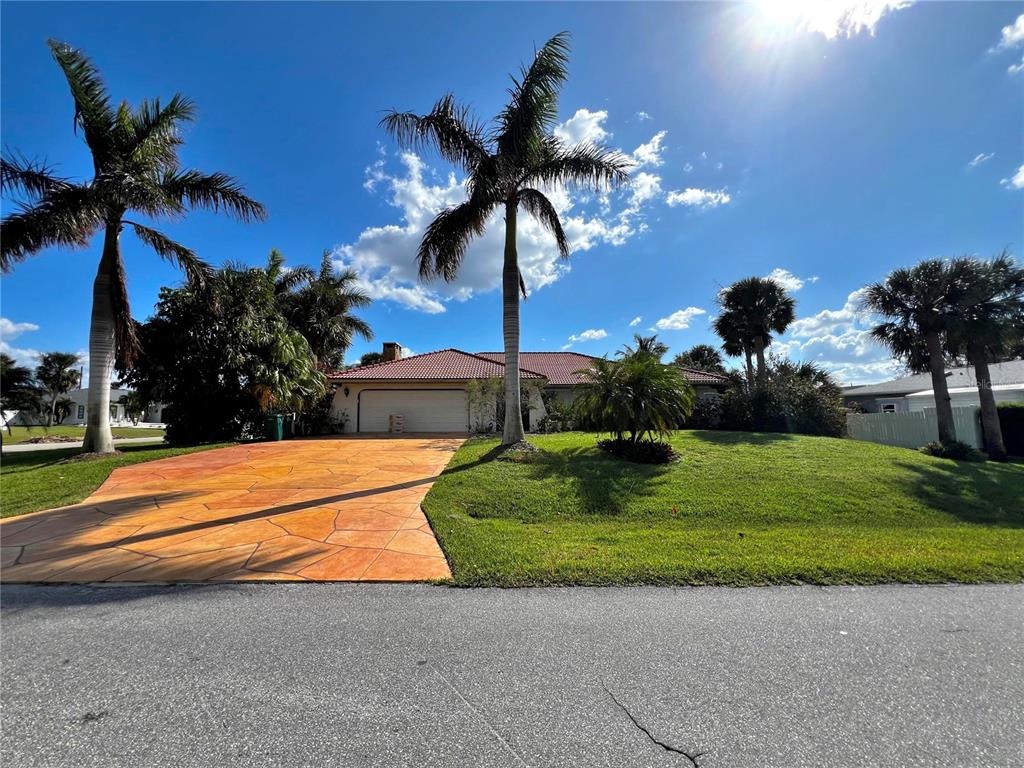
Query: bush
{"points": [[1011, 421], [954, 450], [707, 414], [642, 451]]}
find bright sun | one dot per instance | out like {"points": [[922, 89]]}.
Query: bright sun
{"points": [[831, 18]]}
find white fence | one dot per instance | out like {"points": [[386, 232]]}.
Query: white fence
{"points": [[913, 429]]}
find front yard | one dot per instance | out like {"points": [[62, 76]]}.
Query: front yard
{"points": [[738, 509], [22, 434]]}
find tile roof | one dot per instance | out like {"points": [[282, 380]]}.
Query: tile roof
{"points": [[444, 365], [705, 377], [559, 368]]}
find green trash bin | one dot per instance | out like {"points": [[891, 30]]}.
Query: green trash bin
{"points": [[289, 426], [273, 427]]}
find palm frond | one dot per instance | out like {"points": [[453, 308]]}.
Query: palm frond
{"points": [[448, 127], [155, 136], [93, 113], [583, 165], [64, 217], [213, 191], [538, 206], [533, 109], [27, 176], [196, 270], [447, 237]]}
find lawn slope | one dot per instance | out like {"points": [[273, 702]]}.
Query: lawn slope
{"points": [[739, 508]]}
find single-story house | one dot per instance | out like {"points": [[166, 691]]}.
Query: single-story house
{"points": [[79, 406], [914, 393], [429, 391]]}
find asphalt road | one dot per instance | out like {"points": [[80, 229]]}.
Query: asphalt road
{"points": [[411, 675]]}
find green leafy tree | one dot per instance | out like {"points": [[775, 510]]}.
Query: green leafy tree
{"points": [[134, 404], [135, 158], [509, 166], [755, 308], [58, 373], [987, 322], [371, 357], [19, 390], [701, 357], [918, 302]]}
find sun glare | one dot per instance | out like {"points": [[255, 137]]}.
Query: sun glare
{"points": [[831, 18]]}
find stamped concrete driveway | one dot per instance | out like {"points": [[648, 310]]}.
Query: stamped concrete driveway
{"points": [[328, 509]]}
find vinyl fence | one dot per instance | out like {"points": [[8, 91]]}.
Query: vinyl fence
{"points": [[913, 429]]}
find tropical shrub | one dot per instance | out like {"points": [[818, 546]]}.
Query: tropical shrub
{"points": [[953, 450], [706, 414], [1011, 421], [221, 356], [642, 452]]}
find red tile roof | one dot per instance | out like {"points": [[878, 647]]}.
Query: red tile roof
{"points": [[705, 377], [445, 365], [559, 368]]}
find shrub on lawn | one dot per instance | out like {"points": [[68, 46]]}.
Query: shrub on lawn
{"points": [[1011, 421], [954, 450], [642, 451]]}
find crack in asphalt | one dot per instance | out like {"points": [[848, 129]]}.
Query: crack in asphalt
{"points": [[692, 757]]}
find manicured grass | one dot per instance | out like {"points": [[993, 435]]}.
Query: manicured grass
{"points": [[37, 480], [21, 434], [738, 509]]}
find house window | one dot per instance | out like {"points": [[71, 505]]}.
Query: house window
{"points": [[889, 408], [81, 411]]}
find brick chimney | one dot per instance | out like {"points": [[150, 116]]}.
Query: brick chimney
{"points": [[392, 351]]}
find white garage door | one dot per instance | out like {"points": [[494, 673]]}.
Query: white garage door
{"points": [[425, 410]]}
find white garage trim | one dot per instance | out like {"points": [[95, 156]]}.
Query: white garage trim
{"points": [[424, 410]]}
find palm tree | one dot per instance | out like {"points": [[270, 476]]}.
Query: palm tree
{"points": [[507, 168], [286, 280], [135, 157], [988, 320], [57, 373], [645, 345], [919, 301], [19, 391], [759, 307], [701, 357], [735, 340], [321, 310]]}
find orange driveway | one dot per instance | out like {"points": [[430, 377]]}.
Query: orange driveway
{"points": [[326, 509]]}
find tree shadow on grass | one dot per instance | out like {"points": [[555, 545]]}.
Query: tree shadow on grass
{"points": [[740, 438], [982, 493]]}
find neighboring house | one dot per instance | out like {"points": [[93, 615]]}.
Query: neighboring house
{"points": [[429, 391], [914, 393], [80, 400]]}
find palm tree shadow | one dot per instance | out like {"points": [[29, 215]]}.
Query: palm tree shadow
{"points": [[981, 493], [740, 438]]}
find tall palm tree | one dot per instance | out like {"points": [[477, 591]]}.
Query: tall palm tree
{"points": [[321, 310], [755, 308], [507, 166], [701, 357], [987, 321], [57, 372], [735, 340], [645, 345], [135, 158], [919, 303], [286, 280]]}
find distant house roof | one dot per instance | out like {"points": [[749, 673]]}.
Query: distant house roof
{"points": [[443, 365], [559, 368], [1010, 372]]}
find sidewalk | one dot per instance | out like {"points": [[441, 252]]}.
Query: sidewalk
{"points": [[28, 447]]}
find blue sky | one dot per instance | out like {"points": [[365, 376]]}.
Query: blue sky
{"points": [[823, 148]]}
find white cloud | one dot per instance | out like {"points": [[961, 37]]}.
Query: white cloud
{"points": [[635, 321], [688, 168], [1016, 69], [383, 256], [591, 334], [679, 320], [650, 153], [788, 280], [1016, 181], [831, 18], [698, 198], [981, 157], [584, 126], [641, 116], [10, 330], [830, 321], [1012, 35], [645, 186]]}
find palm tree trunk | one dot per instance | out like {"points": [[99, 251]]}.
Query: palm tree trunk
{"points": [[747, 354], [101, 347], [993, 432], [943, 406], [762, 369], [513, 431], [53, 409]]}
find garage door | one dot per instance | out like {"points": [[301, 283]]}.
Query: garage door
{"points": [[425, 410]]}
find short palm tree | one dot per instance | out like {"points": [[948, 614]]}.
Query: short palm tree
{"points": [[919, 303], [701, 357], [508, 168], [321, 310], [58, 373], [987, 321], [758, 307], [19, 390], [135, 157], [645, 345]]}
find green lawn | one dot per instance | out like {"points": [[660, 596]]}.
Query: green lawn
{"points": [[738, 509], [21, 434], [37, 480]]}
